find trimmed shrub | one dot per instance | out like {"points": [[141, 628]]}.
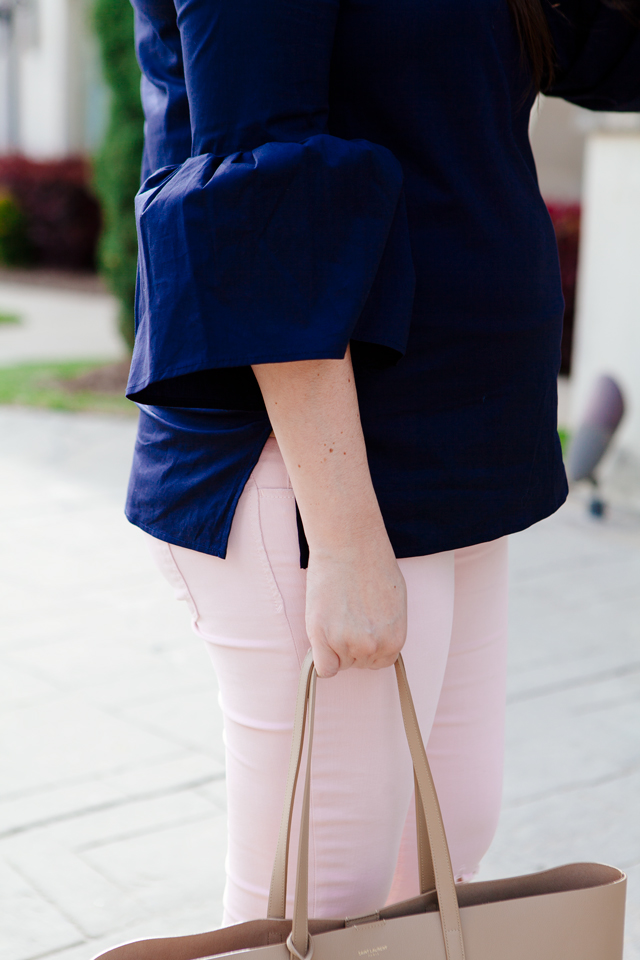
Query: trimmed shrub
{"points": [[117, 167], [60, 215], [566, 223]]}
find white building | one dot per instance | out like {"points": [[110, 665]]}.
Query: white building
{"points": [[595, 158], [52, 97]]}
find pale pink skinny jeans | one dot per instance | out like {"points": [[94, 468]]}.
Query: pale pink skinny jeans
{"points": [[249, 609]]}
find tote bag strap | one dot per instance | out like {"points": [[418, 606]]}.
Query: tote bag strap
{"points": [[441, 861], [277, 907], [278, 889], [298, 942]]}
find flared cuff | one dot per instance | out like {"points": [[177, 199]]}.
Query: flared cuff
{"points": [[283, 253]]}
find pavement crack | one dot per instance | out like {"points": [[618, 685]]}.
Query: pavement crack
{"points": [[113, 771], [139, 832], [110, 805], [574, 786], [52, 903], [627, 669]]}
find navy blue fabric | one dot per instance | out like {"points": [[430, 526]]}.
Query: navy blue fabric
{"points": [[167, 133], [239, 257], [360, 171], [190, 468]]}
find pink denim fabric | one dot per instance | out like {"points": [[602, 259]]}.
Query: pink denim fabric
{"points": [[249, 609]]}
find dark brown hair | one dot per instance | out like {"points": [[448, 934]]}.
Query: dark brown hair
{"points": [[535, 36]]}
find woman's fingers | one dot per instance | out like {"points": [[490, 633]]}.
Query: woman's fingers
{"points": [[356, 613], [326, 661]]}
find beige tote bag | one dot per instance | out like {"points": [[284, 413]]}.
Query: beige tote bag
{"points": [[574, 912]]}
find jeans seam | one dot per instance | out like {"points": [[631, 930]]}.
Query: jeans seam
{"points": [[263, 557], [265, 493], [191, 603]]}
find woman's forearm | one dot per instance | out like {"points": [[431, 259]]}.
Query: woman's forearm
{"points": [[356, 606], [313, 408]]}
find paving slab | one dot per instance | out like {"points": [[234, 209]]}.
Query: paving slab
{"points": [[84, 895], [112, 806], [29, 924], [572, 775]]}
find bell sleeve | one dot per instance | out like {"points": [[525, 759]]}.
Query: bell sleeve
{"points": [[163, 91], [275, 240], [598, 54]]}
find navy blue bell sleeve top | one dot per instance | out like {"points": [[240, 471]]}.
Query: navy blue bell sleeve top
{"points": [[264, 244], [319, 172]]}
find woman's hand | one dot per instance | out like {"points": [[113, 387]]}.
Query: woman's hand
{"points": [[356, 601], [356, 607]]}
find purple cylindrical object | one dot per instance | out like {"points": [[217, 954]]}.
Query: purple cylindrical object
{"points": [[603, 414]]}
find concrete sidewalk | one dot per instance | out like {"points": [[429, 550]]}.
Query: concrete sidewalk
{"points": [[112, 822], [57, 324]]}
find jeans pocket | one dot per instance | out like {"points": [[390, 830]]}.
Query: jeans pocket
{"points": [[163, 554]]}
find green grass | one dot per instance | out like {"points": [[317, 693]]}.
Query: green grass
{"points": [[42, 385], [9, 318], [565, 437]]}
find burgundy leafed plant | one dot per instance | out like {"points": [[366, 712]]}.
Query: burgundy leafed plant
{"points": [[62, 215]]}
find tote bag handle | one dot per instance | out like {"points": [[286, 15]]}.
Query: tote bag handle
{"points": [[430, 823], [278, 889]]}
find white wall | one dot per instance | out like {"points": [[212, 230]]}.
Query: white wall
{"points": [[557, 139], [58, 92], [44, 81], [8, 84], [595, 158], [608, 308]]}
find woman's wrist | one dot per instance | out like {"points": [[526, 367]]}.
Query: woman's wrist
{"points": [[347, 539]]}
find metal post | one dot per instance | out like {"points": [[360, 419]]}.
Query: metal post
{"points": [[11, 70]]}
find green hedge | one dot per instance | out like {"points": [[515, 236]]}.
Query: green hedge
{"points": [[14, 246], [117, 167]]}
